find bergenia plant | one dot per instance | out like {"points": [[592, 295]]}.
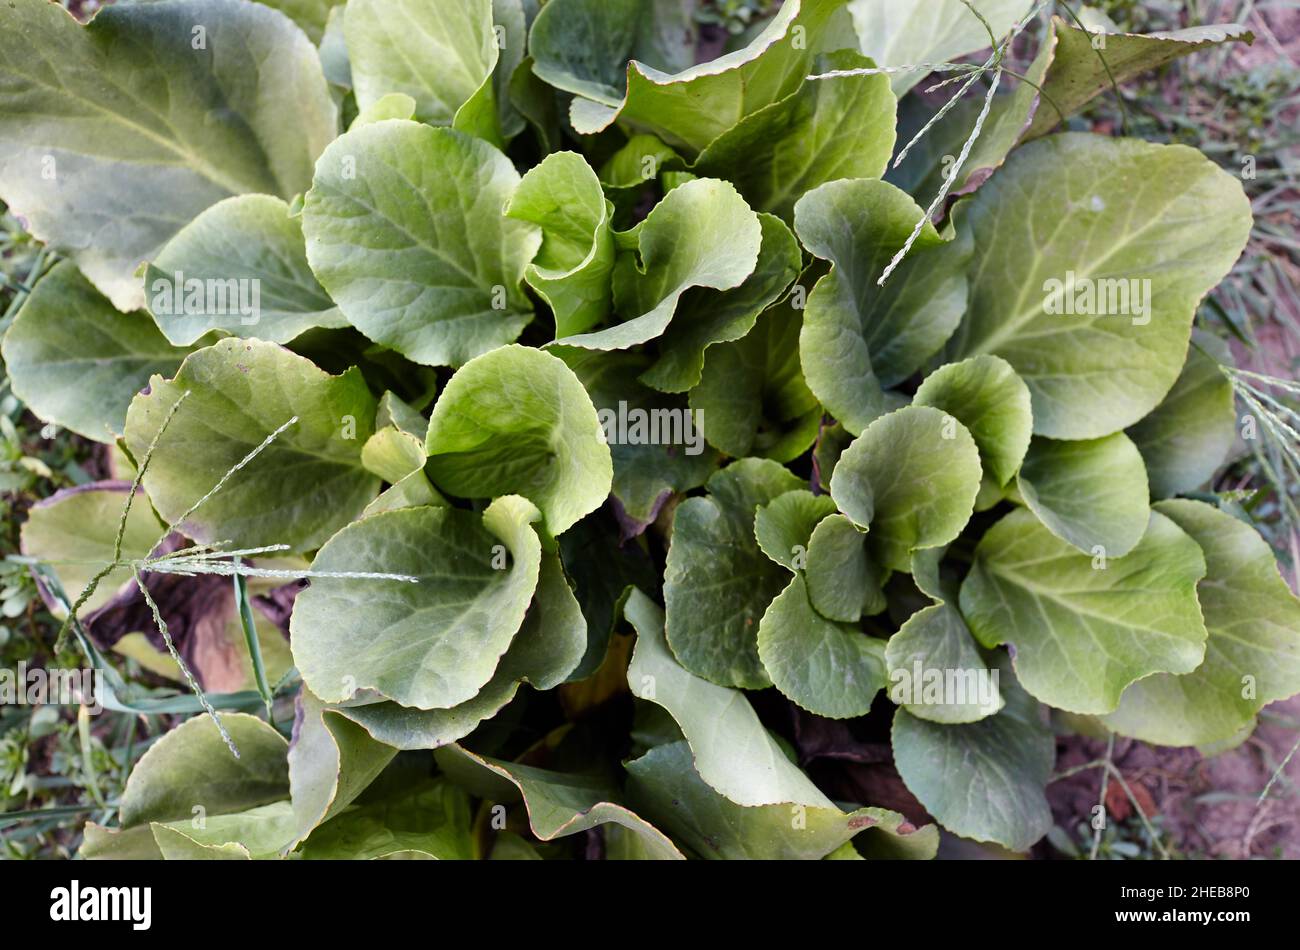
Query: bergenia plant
{"points": [[528, 418]]}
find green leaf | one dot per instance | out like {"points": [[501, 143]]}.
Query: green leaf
{"points": [[74, 532], [117, 133], [558, 804], [518, 420], [842, 127], [311, 15], [718, 583], [427, 818], [784, 526], [1091, 493], [604, 570], [655, 451], [1078, 73], [692, 107], [571, 271], [986, 396], [583, 47], [331, 761], [1085, 627], [1252, 656], [927, 164], [74, 360], [395, 411], [830, 668], [910, 32], [547, 649], [705, 317], [843, 582], [191, 768], [405, 230], [302, 488], [393, 454], [258, 833], [911, 478], [982, 780], [858, 336], [1091, 374], [430, 644], [733, 753], [440, 54], [702, 234], [935, 646], [241, 267], [665, 785], [752, 398], [1188, 436]]}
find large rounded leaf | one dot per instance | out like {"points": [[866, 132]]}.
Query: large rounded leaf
{"points": [[545, 652], [986, 396], [911, 478], [858, 336], [405, 230], [440, 54], [517, 421], [1091, 493], [1087, 283], [191, 767], [429, 644], [250, 263], [299, 490], [1188, 436], [829, 668], [117, 133], [1252, 657], [983, 780], [1083, 627]]}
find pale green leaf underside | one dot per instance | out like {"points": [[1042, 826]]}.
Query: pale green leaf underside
{"points": [[733, 753]]}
